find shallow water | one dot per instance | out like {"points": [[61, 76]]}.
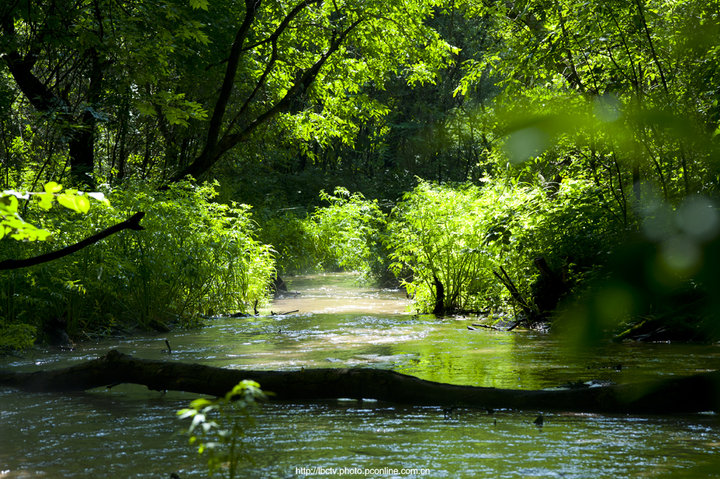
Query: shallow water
{"points": [[131, 432]]}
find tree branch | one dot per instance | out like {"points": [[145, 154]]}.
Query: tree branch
{"points": [[132, 223], [300, 86], [646, 29], [273, 38], [213, 153], [284, 24], [260, 84], [216, 120], [20, 67]]}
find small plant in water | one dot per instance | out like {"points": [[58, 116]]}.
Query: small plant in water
{"points": [[218, 427]]}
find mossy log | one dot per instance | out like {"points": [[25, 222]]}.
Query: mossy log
{"points": [[695, 393]]}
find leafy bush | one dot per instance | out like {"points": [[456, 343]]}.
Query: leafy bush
{"points": [[194, 257], [347, 233], [465, 237], [16, 337], [435, 234], [661, 284], [286, 231]]}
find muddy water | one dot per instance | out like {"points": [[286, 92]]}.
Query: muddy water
{"points": [[131, 432]]}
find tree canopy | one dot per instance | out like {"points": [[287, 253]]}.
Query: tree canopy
{"points": [[115, 86]]}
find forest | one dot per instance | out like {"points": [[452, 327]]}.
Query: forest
{"points": [[541, 166]]}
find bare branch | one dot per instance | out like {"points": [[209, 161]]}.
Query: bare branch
{"points": [[132, 223]]}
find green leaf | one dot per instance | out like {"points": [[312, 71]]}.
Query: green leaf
{"points": [[83, 204], [74, 202], [53, 187], [199, 4], [45, 200], [200, 403], [146, 108]]}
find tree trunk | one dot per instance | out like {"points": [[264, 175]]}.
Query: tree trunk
{"points": [[700, 392], [82, 151], [439, 309], [80, 129], [548, 289]]}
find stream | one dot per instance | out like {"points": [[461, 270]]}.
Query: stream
{"points": [[130, 432]]}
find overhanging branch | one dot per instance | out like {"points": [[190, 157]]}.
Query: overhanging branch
{"points": [[132, 223], [301, 85]]}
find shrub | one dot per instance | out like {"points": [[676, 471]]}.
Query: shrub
{"points": [[293, 247], [346, 232], [435, 234], [218, 426], [460, 236], [16, 337], [195, 257]]}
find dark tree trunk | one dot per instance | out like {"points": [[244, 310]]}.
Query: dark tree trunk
{"points": [[80, 129], [548, 289], [700, 392], [439, 309], [82, 152]]}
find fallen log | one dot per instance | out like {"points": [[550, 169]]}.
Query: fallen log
{"points": [[695, 393]]}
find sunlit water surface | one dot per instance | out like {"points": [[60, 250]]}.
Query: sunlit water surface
{"points": [[131, 432]]}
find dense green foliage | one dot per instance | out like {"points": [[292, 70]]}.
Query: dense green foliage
{"points": [[646, 69], [346, 232], [194, 258], [463, 236], [343, 233], [166, 88], [17, 337], [622, 94]]}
